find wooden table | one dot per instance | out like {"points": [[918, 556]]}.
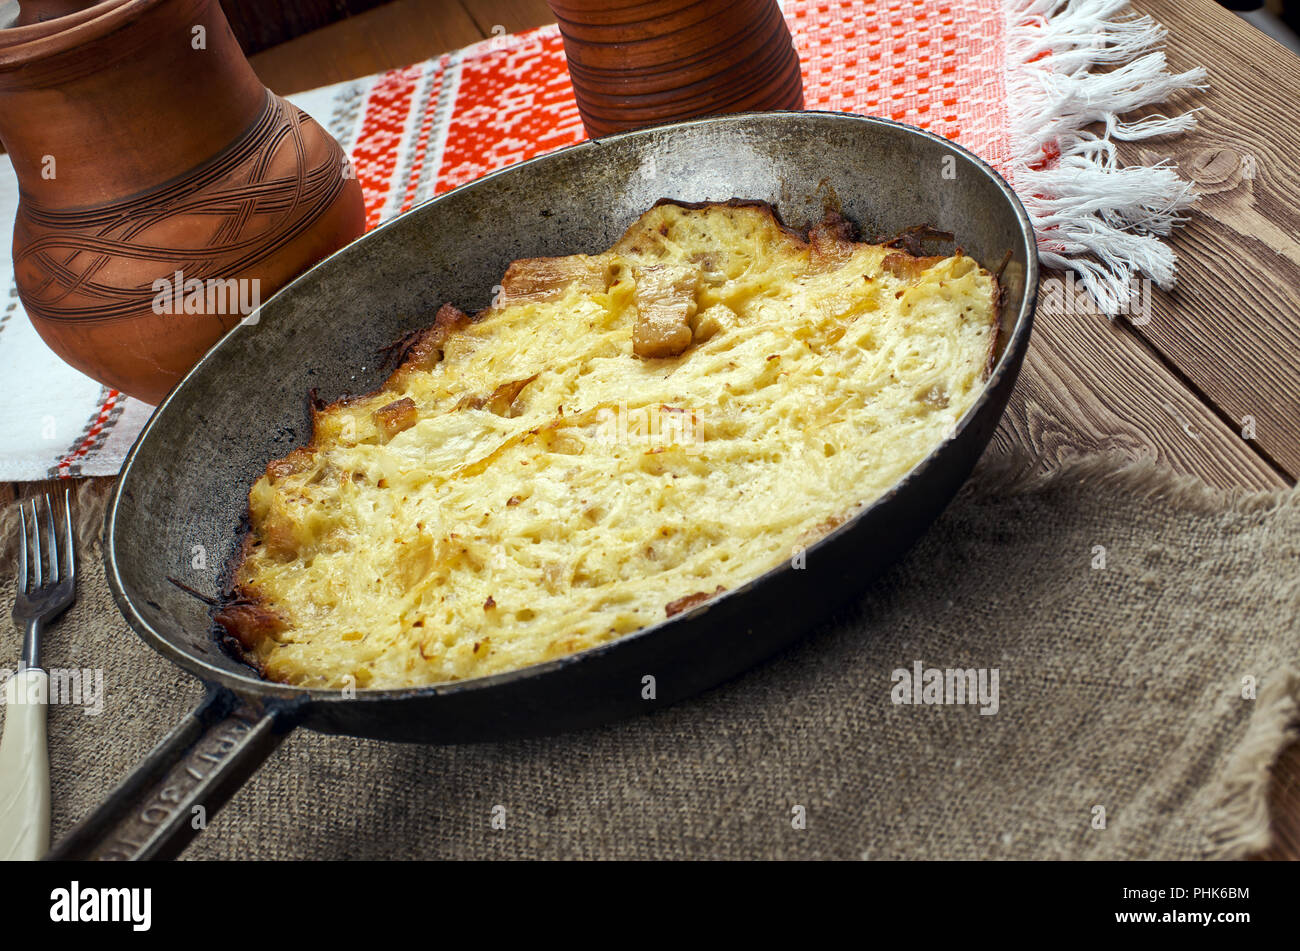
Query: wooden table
{"points": [[1223, 346]]}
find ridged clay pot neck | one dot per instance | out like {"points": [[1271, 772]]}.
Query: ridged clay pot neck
{"points": [[123, 101], [31, 44]]}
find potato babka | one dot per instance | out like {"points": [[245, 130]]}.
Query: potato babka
{"points": [[618, 438]]}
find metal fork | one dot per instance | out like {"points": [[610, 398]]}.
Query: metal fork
{"points": [[46, 588]]}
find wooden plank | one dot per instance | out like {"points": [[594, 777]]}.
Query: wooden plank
{"points": [[397, 34], [1090, 385], [1232, 326], [509, 16]]}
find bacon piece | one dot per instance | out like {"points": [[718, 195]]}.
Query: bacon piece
{"points": [[500, 401], [539, 279], [907, 268], [665, 304], [398, 416], [683, 604]]}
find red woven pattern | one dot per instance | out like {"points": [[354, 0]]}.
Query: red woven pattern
{"points": [[423, 135], [388, 112], [512, 104], [937, 64]]}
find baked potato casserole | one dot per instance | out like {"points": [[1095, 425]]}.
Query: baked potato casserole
{"points": [[619, 437]]}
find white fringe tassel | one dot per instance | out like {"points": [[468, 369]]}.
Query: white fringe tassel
{"points": [[1103, 220]]}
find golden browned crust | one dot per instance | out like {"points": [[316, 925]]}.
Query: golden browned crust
{"points": [[995, 337], [998, 299], [905, 267], [426, 351], [824, 528], [295, 462], [832, 242], [247, 619]]}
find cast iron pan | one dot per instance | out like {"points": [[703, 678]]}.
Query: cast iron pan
{"points": [[186, 481]]}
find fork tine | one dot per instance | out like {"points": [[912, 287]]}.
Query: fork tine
{"points": [[52, 543], [22, 548], [36, 545], [67, 533]]}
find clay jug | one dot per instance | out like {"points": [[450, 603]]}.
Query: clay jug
{"points": [[635, 64], [164, 190]]}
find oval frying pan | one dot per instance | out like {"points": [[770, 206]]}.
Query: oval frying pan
{"points": [[186, 481]]}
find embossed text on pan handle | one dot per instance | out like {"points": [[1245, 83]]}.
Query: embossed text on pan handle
{"points": [[185, 780]]}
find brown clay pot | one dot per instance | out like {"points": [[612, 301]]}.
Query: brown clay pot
{"points": [[647, 62], [144, 146]]}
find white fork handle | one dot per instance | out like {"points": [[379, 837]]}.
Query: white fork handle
{"points": [[25, 767]]}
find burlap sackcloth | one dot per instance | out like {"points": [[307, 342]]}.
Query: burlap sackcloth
{"points": [[1122, 688]]}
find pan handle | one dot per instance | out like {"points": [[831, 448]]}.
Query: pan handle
{"points": [[156, 810]]}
